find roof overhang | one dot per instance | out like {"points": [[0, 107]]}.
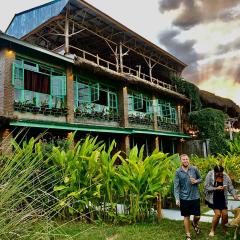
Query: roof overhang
{"points": [[91, 128]]}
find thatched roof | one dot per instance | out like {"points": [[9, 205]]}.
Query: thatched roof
{"points": [[129, 80], [226, 105]]}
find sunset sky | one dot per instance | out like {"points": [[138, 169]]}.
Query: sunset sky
{"points": [[205, 34]]}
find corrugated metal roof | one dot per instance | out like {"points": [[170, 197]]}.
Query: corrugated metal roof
{"points": [[26, 21]]}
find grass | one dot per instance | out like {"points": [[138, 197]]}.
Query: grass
{"points": [[166, 229]]}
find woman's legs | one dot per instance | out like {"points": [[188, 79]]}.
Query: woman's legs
{"points": [[215, 221], [224, 220]]}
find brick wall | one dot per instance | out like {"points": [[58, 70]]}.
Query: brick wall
{"points": [[5, 141], [8, 90]]}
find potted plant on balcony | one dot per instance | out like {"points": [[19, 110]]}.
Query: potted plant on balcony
{"points": [[56, 111], [44, 108], [27, 106], [17, 105], [63, 107], [35, 108]]}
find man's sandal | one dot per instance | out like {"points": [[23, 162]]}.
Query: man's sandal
{"points": [[196, 228], [188, 237]]}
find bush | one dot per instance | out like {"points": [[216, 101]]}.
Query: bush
{"points": [[189, 89], [211, 124]]}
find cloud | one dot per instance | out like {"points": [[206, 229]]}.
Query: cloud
{"points": [[194, 12], [169, 5], [224, 48], [183, 50], [230, 14]]}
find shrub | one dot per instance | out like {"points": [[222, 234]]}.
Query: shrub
{"points": [[211, 123]]}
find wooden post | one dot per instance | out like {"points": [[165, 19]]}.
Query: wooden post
{"points": [[66, 34], [150, 72], [154, 113], [97, 60], [159, 207], [121, 57]]}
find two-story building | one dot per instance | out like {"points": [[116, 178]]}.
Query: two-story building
{"points": [[66, 66]]}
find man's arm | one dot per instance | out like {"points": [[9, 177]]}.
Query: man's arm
{"points": [[199, 178]]}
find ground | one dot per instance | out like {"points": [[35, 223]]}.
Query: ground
{"points": [[166, 229]]}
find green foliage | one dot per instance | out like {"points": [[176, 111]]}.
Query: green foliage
{"points": [[24, 200], [189, 89], [92, 182], [234, 145], [210, 124], [83, 182]]}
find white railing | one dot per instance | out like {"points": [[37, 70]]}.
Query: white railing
{"points": [[112, 66]]}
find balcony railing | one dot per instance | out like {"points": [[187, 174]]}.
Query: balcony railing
{"points": [[39, 103], [140, 118], [96, 112], [165, 124], [111, 66]]}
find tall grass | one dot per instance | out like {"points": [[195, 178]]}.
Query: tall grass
{"points": [[26, 198]]}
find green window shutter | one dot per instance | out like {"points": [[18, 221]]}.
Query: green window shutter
{"points": [[83, 93], [149, 106], [160, 108], [130, 102], [17, 76], [113, 100], [75, 86], [138, 101], [174, 115], [58, 86], [95, 92]]}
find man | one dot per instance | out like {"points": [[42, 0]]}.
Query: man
{"points": [[187, 194]]}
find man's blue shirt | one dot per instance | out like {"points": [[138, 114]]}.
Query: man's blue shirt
{"points": [[183, 188]]}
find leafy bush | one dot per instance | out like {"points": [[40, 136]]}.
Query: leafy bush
{"points": [[189, 89], [93, 185], [234, 145], [211, 123]]}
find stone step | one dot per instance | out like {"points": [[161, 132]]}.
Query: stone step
{"points": [[210, 213], [173, 214]]}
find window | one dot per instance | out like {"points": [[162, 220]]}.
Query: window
{"points": [[95, 92], [140, 103], [94, 96], [130, 103], [112, 101], [167, 112], [38, 83]]}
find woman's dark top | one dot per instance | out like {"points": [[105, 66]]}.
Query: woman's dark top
{"points": [[218, 198]]}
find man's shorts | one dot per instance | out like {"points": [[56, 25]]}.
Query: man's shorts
{"points": [[190, 207]]}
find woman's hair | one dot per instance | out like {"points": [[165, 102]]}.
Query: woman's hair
{"points": [[218, 169]]}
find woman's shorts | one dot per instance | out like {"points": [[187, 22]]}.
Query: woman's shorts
{"points": [[190, 207]]}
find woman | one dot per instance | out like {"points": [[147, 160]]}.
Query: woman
{"points": [[216, 188]]}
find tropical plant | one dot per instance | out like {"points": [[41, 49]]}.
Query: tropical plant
{"points": [[211, 125], [143, 179], [25, 197], [234, 145]]}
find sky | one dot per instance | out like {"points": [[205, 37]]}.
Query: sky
{"points": [[205, 34]]}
